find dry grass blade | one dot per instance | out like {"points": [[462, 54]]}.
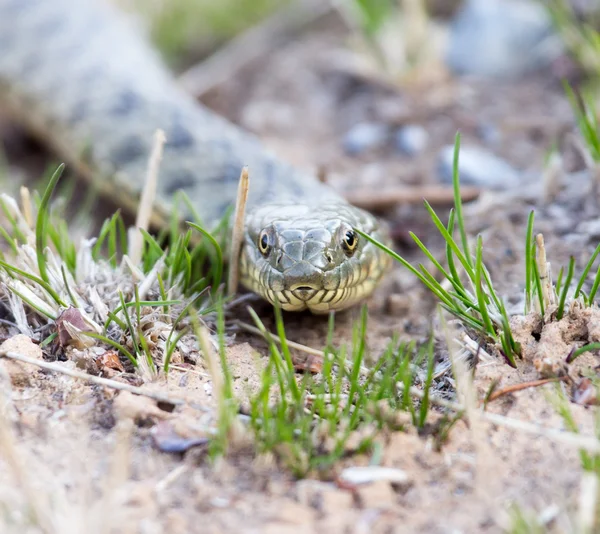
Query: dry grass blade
{"points": [[237, 234], [144, 213], [212, 362], [524, 385]]}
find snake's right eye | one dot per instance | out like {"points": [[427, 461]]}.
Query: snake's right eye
{"points": [[264, 243]]}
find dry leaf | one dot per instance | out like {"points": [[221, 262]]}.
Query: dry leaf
{"points": [[109, 363]]}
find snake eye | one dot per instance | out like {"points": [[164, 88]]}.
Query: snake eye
{"points": [[349, 242], [264, 243]]}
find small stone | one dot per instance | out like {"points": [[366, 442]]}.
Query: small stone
{"points": [[364, 136], [135, 407], [373, 473], [489, 134], [398, 304], [377, 495], [478, 167], [411, 139], [591, 229], [335, 499], [499, 38], [20, 373]]}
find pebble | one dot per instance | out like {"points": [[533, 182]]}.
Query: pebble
{"points": [[411, 139], [357, 475], [20, 373], [378, 495], [478, 167], [499, 38], [364, 136], [489, 134]]}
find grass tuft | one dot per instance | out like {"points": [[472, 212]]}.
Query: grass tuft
{"points": [[471, 296], [314, 421]]}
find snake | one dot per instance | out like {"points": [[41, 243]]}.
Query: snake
{"points": [[78, 75]]}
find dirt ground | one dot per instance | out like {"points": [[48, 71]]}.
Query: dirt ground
{"points": [[73, 438]]}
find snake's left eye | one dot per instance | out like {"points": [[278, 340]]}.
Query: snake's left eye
{"points": [[264, 243], [349, 242]]}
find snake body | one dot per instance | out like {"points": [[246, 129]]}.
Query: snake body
{"points": [[77, 75]]}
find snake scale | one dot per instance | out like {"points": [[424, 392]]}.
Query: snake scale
{"points": [[77, 75]]}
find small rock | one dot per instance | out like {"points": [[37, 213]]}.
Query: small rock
{"points": [[377, 495], [477, 167], [398, 304], [591, 229], [335, 499], [364, 475], [500, 38], [20, 373], [138, 408], [411, 139], [364, 136], [489, 134], [166, 439]]}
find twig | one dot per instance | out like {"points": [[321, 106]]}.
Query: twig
{"points": [[371, 199], [524, 385], [99, 380], [237, 233], [144, 212], [254, 43]]}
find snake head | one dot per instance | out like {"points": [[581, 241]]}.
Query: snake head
{"points": [[310, 257]]}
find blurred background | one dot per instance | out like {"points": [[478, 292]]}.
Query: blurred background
{"points": [[370, 93]]}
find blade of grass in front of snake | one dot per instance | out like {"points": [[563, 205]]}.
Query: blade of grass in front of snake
{"points": [[42, 218]]}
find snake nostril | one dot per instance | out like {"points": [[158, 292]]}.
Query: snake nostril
{"points": [[328, 257]]}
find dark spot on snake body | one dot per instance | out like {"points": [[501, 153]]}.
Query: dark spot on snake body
{"points": [[180, 180], [229, 173], [179, 137], [125, 102], [128, 150]]}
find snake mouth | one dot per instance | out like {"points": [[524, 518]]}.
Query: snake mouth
{"points": [[303, 288], [305, 293]]}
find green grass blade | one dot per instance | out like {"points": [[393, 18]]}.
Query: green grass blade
{"points": [[585, 272], [529, 269], [218, 273], [42, 283], [481, 297], [458, 201], [42, 218], [565, 289]]}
